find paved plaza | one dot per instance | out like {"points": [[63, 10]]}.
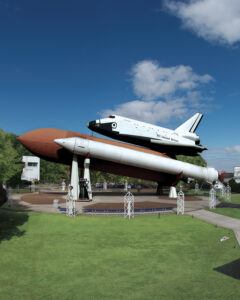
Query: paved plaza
{"points": [[44, 201]]}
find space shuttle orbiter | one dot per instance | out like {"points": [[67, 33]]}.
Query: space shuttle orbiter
{"points": [[182, 140]]}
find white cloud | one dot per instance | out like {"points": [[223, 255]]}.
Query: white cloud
{"points": [[152, 81], [163, 92], [150, 111], [213, 20], [223, 159], [233, 149]]}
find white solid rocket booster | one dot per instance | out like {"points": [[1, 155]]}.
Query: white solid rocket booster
{"points": [[135, 158]]}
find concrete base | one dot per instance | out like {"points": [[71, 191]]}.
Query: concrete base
{"points": [[173, 192]]}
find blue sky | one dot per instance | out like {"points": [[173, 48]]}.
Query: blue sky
{"points": [[63, 63]]}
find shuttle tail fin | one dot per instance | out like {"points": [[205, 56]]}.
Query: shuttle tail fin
{"points": [[191, 124]]}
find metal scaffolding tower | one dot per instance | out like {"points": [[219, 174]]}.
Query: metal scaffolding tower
{"points": [[129, 205], [228, 193], [70, 203], [180, 202], [212, 198], [196, 188]]}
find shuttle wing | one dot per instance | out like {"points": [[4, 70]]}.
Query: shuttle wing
{"points": [[176, 144]]}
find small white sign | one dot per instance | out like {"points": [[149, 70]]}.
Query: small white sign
{"points": [[31, 170], [237, 174]]}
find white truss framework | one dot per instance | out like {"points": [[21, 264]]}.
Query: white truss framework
{"points": [[180, 202], [212, 198], [129, 205], [223, 191], [196, 188], [228, 193], [70, 203]]}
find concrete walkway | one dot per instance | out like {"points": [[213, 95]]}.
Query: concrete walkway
{"points": [[114, 197], [219, 220]]}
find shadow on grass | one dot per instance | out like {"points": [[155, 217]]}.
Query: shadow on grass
{"points": [[231, 269], [228, 205], [10, 220]]}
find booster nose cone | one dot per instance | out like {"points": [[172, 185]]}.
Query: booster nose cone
{"points": [[68, 143], [40, 142], [22, 139], [28, 140], [60, 142]]}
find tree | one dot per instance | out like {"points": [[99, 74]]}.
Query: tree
{"points": [[53, 172], [235, 187], [9, 158], [195, 160]]}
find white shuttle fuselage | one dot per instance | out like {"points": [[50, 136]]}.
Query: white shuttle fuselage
{"points": [[182, 140]]}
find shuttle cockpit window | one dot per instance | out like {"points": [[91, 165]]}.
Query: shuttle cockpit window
{"points": [[112, 117]]}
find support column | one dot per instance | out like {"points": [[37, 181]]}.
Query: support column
{"points": [[125, 186], [86, 176], [159, 189], [105, 185], [75, 178]]}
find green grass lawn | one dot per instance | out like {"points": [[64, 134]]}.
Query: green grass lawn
{"points": [[231, 209], [235, 198], [230, 212], [49, 256]]}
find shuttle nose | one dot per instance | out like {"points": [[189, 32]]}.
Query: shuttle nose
{"points": [[93, 124]]}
